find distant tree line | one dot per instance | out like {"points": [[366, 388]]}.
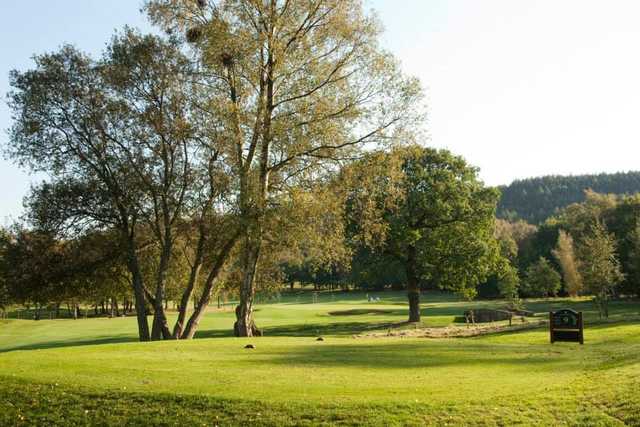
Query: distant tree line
{"points": [[536, 199], [588, 248]]}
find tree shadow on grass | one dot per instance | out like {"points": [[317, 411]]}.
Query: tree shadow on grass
{"points": [[298, 330], [213, 333], [427, 354], [119, 339], [307, 329], [336, 329]]}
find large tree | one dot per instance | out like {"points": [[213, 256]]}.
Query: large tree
{"points": [[124, 139], [427, 209], [299, 85], [600, 267]]}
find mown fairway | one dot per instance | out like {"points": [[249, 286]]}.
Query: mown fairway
{"points": [[93, 371]]}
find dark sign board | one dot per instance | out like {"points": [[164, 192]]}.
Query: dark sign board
{"points": [[566, 325]]}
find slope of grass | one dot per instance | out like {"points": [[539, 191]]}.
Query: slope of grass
{"points": [[293, 315], [89, 372]]}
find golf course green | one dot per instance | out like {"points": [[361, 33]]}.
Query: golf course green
{"points": [[92, 371]]}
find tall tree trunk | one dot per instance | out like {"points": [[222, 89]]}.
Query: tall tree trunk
{"points": [[178, 328], [138, 291], [160, 329], [245, 326], [605, 304], [413, 285], [253, 213], [201, 307], [160, 326]]}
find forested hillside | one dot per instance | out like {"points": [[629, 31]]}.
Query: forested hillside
{"points": [[536, 199]]}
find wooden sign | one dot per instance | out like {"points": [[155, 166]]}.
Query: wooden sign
{"points": [[566, 325]]}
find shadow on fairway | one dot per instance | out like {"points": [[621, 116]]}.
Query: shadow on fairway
{"points": [[71, 343], [346, 329], [427, 354], [306, 329]]}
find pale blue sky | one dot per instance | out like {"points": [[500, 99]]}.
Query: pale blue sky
{"points": [[519, 87]]}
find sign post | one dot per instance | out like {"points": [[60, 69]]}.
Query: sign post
{"points": [[567, 326]]}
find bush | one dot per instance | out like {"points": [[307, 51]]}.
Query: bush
{"points": [[541, 280]]}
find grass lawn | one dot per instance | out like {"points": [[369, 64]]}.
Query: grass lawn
{"points": [[91, 371]]}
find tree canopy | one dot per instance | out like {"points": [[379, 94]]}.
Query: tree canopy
{"points": [[428, 210], [199, 153], [297, 87]]}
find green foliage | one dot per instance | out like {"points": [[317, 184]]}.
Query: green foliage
{"points": [[534, 200], [631, 283], [541, 280], [35, 268], [560, 237], [297, 89], [131, 153], [40, 269], [600, 266], [377, 271], [5, 296], [508, 285], [507, 241], [429, 203], [623, 222], [540, 244], [578, 219], [565, 254]]}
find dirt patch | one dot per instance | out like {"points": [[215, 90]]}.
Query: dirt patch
{"points": [[359, 311], [454, 331]]}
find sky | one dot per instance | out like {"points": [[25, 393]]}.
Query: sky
{"points": [[520, 88]]}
